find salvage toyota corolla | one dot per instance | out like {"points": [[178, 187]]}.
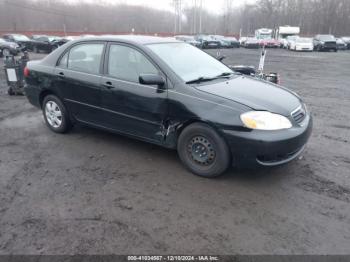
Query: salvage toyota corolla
{"points": [[172, 94]]}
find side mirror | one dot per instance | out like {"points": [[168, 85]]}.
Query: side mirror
{"points": [[151, 79]]}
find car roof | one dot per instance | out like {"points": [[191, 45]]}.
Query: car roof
{"points": [[135, 39]]}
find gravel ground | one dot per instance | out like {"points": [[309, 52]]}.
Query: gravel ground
{"points": [[92, 192]]}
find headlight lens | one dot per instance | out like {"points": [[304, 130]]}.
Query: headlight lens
{"points": [[264, 120]]}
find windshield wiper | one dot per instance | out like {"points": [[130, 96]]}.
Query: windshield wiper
{"points": [[225, 74], [205, 79], [200, 80]]}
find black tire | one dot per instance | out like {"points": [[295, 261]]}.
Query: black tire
{"points": [[6, 52], [213, 157], [10, 92], [65, 124]]}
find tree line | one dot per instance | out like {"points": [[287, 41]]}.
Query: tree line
{"points": [[313, 16]]}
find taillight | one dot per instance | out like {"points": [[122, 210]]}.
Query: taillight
{"points": [[26, 72]]}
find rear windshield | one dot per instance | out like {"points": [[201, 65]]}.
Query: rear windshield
{"points": [[20, 38]]}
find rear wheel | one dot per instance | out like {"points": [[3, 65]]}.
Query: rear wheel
{"points": [[203, 151], [55, 114]]}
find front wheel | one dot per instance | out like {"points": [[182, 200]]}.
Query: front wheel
{"points": [[203, 151], [6, 52], [55, 114]]}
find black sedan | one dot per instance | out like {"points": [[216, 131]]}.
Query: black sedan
{"points": [[8, 48], [171, 94], [208, 42], [43, 43]]}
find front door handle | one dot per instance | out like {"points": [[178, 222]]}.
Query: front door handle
{"points": [[61, 74], [108, 85]]}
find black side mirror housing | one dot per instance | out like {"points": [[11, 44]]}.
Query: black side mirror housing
{"points": [[151, 79]]}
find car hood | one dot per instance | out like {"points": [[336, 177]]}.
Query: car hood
{"points": [[256, 94]]}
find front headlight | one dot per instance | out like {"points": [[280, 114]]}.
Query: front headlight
{"points": [[264, 120]]}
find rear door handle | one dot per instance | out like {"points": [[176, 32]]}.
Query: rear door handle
{"points": [[108, 85]]}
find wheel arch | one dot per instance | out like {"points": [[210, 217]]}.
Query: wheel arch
{"points": [[182, 126], [45, 93]]}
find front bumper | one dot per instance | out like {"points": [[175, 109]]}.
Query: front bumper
{"points": [[268, 148], [304, 48]]}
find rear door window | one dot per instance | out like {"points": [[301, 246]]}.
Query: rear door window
{"points": [[86, 58]]}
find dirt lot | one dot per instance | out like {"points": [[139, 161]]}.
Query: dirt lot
{"points": [[92, 192]]}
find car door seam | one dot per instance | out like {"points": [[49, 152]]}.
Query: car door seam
{"points": [[111, 111]]}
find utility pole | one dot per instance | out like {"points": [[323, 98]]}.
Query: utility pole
{"points": [[200, 15], [177, 15], [195, 17], [180, 15]]}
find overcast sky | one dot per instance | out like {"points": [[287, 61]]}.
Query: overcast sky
{"points": [[215, 6]]}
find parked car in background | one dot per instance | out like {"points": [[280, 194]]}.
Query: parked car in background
{"points": [[346, 39], [43, 43], [23, 41], [188, 39], [234, 43], [173, 95], [226, 42], [341, 45], [207, 42], [8, 48], [302, 44], [242, 40], [269, 43], [289, 40], [282, 32], [325, 43], [251, 42]]}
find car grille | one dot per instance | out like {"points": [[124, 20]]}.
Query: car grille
{"points": [[299, 114], [330, 44]]}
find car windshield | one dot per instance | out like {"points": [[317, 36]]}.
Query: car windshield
{"points": [[188, 62], [21, 38], [304, 40], [327, 38]]}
